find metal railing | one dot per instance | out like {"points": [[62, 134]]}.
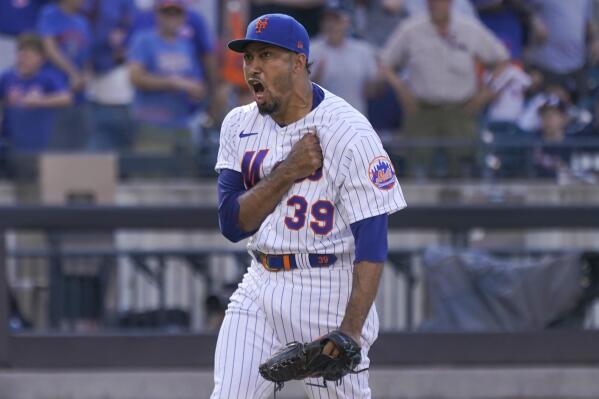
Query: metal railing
{"points": [[195, 350], [493, 156]]}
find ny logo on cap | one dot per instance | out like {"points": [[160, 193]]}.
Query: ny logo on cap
{"points": [[261, 25]]}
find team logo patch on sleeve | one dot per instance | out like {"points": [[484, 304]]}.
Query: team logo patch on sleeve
{"points": [[381, 173]]}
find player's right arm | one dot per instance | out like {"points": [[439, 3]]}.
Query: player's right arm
{"points": [[242, 211], [259, 202]]}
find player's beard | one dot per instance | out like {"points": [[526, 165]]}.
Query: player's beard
{"points": [[269, 107], [283, 85]]}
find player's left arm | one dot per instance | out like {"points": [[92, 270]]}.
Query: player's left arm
{"points": [[365, 285], [368, 194], [370, 236]]}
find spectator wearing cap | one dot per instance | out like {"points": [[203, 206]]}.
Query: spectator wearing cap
{"points": [[109, 91], [195, 29], [356, 79], [439, 91], [169, 84], [553, 156], [67, 40], [29, 94], [554, 119], [570, 39], [530, 118]]}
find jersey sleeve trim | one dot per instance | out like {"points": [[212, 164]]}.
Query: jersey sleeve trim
{"points": [[370, 236], [230, 188]]}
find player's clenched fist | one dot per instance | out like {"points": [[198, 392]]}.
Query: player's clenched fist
{"points": [[305, 157]]}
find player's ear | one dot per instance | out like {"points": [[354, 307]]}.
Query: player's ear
{"points": [[300, 62]]}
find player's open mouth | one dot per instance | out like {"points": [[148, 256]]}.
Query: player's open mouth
{"points": [[258, 89]]}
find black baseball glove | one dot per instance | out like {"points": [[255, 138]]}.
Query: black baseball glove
{"points": [[297, 361]]}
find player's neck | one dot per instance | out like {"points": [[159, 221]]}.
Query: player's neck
{"points": [[298, 106]]}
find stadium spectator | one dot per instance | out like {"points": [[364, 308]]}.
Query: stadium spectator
{"points": [[16, 17], [510, 86], [512, 22], [530, 119], [440, 94], [571, 35], [355, 80], [195, 29], [373, 22], [109, 91], [458, 7], [28, 96], [375, 19], [168, 81], [67, 40], [305, 11], [553, 158]]}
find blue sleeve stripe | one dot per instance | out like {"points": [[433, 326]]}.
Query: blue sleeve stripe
{"points": [[370, 236], [230, 187]]}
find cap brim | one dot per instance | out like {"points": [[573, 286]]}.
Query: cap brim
{"points": [[240, 44]]}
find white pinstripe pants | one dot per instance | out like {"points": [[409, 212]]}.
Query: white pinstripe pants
{"points": [[270, 309]]}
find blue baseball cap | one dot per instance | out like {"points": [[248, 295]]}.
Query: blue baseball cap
{"points": [[278, 30]]}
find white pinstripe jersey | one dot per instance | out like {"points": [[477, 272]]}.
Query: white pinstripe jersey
{"points": [[357, 180]]}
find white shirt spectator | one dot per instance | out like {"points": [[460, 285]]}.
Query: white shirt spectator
{"points": [[345, 70], [458, 7], [112, 88], [442, 69], [511, 84]]}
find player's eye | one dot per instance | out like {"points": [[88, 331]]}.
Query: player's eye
{"points": [[247, 57], [266, 54]]}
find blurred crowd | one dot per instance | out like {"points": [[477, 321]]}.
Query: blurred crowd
{"points": [[434, 77]]}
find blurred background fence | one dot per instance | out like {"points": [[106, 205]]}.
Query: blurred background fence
{"points": [[501, 154], [87, 295]]}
